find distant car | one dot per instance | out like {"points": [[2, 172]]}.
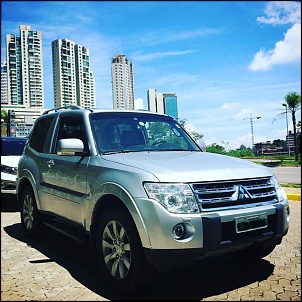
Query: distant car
{"points": [[11, 151]]}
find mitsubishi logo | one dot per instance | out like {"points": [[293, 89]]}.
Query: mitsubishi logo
{"points": [[240, 193], [243, 193]]}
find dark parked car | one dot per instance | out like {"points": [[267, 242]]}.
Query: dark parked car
{"points": [[11, 151]]}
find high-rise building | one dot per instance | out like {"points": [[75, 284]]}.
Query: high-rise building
{"points": [[170, 104], [73, 81], [122, 82], [4, 99], [290, 139], [162, 102], [92, 90], [25, 68]]}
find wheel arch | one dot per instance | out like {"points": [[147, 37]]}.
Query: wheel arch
{"points": [[24, 183], [116, 196]]}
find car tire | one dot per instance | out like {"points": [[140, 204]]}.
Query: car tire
{"points": [[31, 219], [120, 253]]}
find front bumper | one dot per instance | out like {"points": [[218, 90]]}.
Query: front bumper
{"points": [[209, 233], [164, 260]]}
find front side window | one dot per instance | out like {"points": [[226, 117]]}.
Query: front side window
{"points": [[73, 127]]}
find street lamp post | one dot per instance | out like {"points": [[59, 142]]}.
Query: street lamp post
{"points": [[287, 140], [252, 131]]}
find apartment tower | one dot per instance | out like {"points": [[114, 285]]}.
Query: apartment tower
{"points": [[122, 82], [25, 68], [4, 99], [73, 80], [162, 102]]}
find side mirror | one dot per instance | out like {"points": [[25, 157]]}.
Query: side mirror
{"points": [[70, 146], [202, 145]]}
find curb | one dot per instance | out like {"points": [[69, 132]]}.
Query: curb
{"points": [[294, 197]]}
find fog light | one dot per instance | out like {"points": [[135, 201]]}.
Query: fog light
{"points": [[178, 231]]}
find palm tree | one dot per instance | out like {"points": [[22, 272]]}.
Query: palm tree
{"points": [[292, 104], [293, 101]]}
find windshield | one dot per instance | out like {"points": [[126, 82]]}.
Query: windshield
{"points": [[133, 132]]}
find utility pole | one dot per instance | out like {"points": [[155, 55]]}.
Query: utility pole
{"points": [[252, 131], [11, 127], [287, 136]]}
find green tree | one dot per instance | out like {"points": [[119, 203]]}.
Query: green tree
{"points": [[214, 148], [292, 104], [4, 121], [242, 147], [196, 136]]}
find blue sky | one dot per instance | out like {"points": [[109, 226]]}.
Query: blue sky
{"points": [[227, 61]]}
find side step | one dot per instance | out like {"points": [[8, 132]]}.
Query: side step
{"points": [[68, 229]]}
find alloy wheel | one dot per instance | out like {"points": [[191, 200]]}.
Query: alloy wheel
{"points": [[116, 250]]}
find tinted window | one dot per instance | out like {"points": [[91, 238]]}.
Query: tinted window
{"points": [[115, 132], [41, 134], [73, 127], [12, 146]]}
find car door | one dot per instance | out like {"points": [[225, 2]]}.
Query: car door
{"points": [[66, 174]]}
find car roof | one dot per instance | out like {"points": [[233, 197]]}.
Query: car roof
{"points": [[77, 109]]}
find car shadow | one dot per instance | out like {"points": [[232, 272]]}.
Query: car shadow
{"points": [[200, 279], [9, 203], [197, 281]]}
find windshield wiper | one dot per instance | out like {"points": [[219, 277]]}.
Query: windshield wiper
{"points": [[120, 151]]}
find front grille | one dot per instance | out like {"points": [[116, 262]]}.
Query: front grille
{"points": [[237, 193]]}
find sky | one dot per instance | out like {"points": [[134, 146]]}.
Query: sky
{"points": [[228, 62]]}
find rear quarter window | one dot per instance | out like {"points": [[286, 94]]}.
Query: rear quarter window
{"points": [[40, 137]]}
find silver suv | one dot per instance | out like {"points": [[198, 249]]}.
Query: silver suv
{"points": [[137, 187]]}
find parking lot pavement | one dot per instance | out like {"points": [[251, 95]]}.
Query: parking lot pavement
{"points": [[60, 269]]}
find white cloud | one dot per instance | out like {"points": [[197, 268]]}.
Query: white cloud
{"points": [[229, 105], [191, 128], [138, 104], [165, 35], [160, 54], [244, 114], [282, 12], [285, 51]]}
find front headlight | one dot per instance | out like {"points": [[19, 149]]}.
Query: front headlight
{"points": [[176, 198], [280, 191]]}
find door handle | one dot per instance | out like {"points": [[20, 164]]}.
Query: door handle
{"points": [[50, 163]]}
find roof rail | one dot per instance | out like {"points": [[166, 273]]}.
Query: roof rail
{"points": [[72, 107]]}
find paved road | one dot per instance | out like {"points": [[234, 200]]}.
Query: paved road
{"points": [[286, 175], [59, 269]]}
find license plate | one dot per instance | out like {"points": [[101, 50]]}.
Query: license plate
{"points": [[250, 223]]}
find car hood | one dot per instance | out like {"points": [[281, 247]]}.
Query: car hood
{"points": [[184, 166], [11, 160]]}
